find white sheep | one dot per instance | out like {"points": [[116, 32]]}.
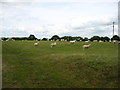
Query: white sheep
{"points": [[110, 41], [53, 44], [118, 42], [72, 42], [86, 46], [7, 40], [100, 41], [36, 44], [87, 41], [114, 41], [95, 40]]}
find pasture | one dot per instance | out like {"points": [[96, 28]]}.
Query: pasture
{"points": [[64, 66]]}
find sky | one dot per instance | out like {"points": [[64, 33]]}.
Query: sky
{"points": [[45, 18]]}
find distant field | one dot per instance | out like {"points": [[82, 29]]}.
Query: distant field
{"points": [[64, 66]]}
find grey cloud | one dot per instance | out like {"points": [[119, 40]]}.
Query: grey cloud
{"points": [[13, 32], [94, 24]]}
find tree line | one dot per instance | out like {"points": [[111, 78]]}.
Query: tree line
{"points": [[65, 38], [98, 38]]}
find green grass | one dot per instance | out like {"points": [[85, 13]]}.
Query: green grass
{"points": [[64, 66]]}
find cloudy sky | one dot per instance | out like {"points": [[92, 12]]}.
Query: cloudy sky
{"points": [[45, 18]]}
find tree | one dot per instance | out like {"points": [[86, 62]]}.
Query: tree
{"points": [[78, 38], [102, 38], [95, 38], [4, 38], [106, 38], [19, 38], [32, 37], [55, 37], [68, 38], [85, 39], [44, 39], [115, 37]]}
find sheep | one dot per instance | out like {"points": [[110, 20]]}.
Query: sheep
{"points": [[100, 41], [13, 40], [53, 44], [114, 41], [72, 42], [95, 40], [36, 44], [86, 46], [119, 42], [86, 41], [7, 40]]}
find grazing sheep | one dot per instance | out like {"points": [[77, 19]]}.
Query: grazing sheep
{"points": [[72, 42], [53, 44], [62, 40], [95, 40], [13, 40], [119, 42], [114, 41], [86, 46], [36, 44], [100, 41], [87, 41], [7, 40]]}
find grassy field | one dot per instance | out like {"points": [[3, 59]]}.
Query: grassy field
{"points": [[64, 66]]}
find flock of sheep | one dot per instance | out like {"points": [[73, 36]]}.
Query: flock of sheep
{"points": [[87, 45], [72, 42]]}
